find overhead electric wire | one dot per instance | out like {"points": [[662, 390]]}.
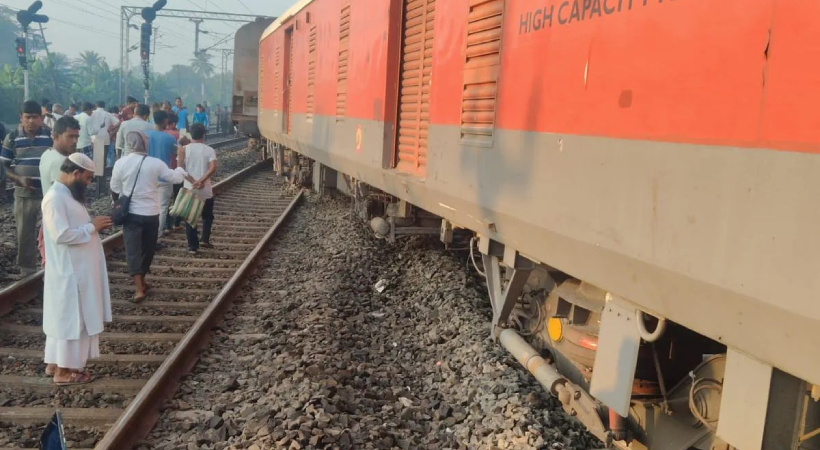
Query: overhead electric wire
{"points": [[245, 6]]}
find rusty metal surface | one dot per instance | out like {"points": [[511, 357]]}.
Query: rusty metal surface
{"points": [[29, 287], [140, 416]]}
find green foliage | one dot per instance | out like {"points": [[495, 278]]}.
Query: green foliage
{"points": [[90, 78]]}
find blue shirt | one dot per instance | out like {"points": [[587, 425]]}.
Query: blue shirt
{"points": [[201, 117], [182, 114], [161, 145]]}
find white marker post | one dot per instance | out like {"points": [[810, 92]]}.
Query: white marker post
{"points": [[98, 146]]}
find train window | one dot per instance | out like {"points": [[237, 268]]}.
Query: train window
{"points": [[478, 106], [344, 46], [311, 81]]}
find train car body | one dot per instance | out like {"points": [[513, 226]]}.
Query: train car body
{"points": [[663, 151], [245, 91]]}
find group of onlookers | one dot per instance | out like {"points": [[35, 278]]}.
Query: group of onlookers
{"points": [[51, 168]]}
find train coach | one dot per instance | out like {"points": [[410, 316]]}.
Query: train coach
{"points": [[650, 164], [245, 98]]}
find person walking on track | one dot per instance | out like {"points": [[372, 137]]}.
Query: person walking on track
{"points": [[138, 177], [162, 146], [199, 160], [66, 132], [76, 297], [20, 157]]}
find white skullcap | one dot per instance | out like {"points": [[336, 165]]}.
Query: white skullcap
{"points": [[83, 161]]}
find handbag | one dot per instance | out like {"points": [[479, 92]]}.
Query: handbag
{"points": [[120, 211], [188, 206]]}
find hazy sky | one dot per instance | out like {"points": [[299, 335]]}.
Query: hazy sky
{"points": [[78, 25]]}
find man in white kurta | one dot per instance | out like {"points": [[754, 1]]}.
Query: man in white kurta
{"points": [[76, 298]]}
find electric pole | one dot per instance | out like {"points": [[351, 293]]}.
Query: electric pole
{"points": [[48, 56], [226, 53], [197, 31], [27, 17]]}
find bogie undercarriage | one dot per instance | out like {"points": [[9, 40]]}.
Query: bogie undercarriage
{"points": [[636, 381]]}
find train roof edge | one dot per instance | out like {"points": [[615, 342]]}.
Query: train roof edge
{"points": [[287, 15]]}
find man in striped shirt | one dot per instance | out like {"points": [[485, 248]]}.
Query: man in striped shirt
{"points": [[20, 157]]}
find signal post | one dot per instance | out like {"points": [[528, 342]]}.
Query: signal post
{"points": [[26, 17]]}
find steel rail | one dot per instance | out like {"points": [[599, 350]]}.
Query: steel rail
{"points": [[29, 287], [142, 413]]}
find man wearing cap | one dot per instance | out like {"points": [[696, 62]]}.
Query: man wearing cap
{"points": [[65, 135], [76, 297]]}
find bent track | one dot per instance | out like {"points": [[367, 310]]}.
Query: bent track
{"points": [[188, 295]]}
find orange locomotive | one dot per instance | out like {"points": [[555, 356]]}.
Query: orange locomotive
{"points": [[651, 163]]}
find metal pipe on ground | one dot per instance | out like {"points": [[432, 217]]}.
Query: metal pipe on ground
{"points": [[532, 361]]}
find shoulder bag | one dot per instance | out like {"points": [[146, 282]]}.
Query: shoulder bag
{"points": [[120, 212]]}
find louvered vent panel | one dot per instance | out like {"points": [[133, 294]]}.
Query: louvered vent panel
{"points": [[290, 86], [344, 46], [311, 95], [481, 71], [414, 88], [277, 82]]}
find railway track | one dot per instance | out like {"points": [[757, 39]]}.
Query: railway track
{"points": [[160, 337]]}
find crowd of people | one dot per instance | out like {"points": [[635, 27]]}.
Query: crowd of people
{"points": [[151, 151]]}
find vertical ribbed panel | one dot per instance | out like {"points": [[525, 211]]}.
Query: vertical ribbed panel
{"points": [[277, 82], [311, 78], [344, 46], [478, 106], [290, 85], [414, 88]]}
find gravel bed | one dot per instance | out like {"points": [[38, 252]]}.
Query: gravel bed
{"points": [[347, 367], [29, 436], [155, 296], [36, 368], [146, 327], [231, 159], [62, 398], [36, 342]]}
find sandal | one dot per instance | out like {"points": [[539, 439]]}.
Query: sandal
{"points": [[139, 299], [76, 378], [51, 372]]}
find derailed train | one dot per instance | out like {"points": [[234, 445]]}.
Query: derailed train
{"points": [[650, 166]]}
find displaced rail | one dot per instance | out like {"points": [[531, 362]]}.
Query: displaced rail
{"points": [[188, 295]]}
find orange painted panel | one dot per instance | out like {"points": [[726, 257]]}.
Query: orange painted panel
{"points": [[647, 69], [448, 65], [367, 58], [792, 94], [739, 73]]}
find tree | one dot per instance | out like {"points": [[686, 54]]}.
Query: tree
{"points": [[203, 69], [88, 64], [9, 29]]}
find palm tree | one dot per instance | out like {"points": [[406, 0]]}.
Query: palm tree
{"points": [[203, 68], [89, 64]]}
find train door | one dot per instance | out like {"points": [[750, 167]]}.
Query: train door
{"points": [[415, 76], [287, 81]]}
